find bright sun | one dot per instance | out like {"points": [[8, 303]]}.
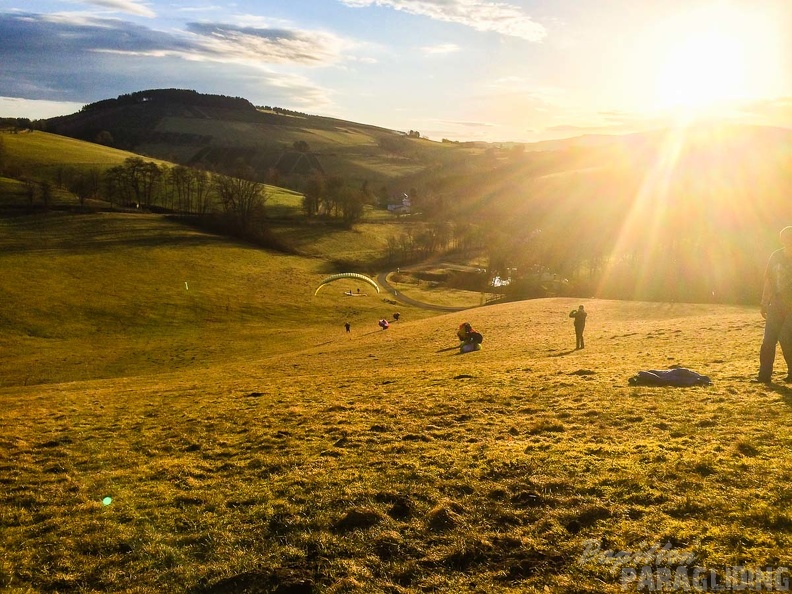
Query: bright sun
{"points": [[713, 56], [704, 69]]}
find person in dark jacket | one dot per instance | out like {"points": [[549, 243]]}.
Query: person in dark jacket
{"points": [[777, 309], [580, 324]]}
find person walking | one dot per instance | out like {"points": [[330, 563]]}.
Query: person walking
{"points": [[348, 326], [579, 315], [776, 309]]}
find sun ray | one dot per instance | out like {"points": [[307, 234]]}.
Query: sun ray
{"points": [[639, 237]]}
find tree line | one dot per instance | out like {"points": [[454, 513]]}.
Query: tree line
{"points": [[237, 196]]}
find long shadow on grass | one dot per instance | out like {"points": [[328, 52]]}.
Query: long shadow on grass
{"points": [[453, 348], [564, 354], [784, 391]]}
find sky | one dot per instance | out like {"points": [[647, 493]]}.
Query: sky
{"points": [[491, 70]]}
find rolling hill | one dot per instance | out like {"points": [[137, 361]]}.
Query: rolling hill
{"points": [[701, 202], [180, 414], [229, 436], [191, 128]]}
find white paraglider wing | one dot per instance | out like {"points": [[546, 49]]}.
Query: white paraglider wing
{"points": [[353, 275]]}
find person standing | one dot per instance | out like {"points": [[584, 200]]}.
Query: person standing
{"points": [[580, 324], [776, 309], [348, 326]]}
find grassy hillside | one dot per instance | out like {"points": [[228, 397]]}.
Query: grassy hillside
{"points": [[105, 295], [182, 127], [45, 153], [180, 413], [387, 462], [44, 156]]}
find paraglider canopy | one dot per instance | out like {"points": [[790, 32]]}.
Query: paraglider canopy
{"points": [[352, 275]]}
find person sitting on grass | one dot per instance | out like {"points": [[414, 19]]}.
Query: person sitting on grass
{"points": [[471, 340]]}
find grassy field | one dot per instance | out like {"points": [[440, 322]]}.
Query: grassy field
{"points": [[45, 154], [229, 436], [436, 293], [113, 294]]}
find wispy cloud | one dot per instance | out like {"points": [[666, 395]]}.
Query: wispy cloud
{"points": [[497, 17], [474, 124], [29, 37], [78, 57], [777, 110], [274, 46], [125, 6], [441, 48]]}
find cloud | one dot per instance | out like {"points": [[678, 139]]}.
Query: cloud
{"points": [[14, 107], [127, 6], [497, 17], [474, 124], [776, 111], [441, 48], [30, 39], [78, 57], [274, 46]]}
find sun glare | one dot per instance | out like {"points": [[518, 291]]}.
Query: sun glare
{"points": [[715, 55], [704, 69]]}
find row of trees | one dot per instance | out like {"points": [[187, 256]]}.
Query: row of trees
{"points": [[420, 241], [237, 195], [332, 196], [239, 199]]}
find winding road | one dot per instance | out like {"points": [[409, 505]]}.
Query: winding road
{"points": [[382, 280]]}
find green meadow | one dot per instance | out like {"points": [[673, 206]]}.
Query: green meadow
{"points": [[45, 156], [181, 414]]}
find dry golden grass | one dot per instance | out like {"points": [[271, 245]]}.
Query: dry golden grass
{"points": [[385, 461]]}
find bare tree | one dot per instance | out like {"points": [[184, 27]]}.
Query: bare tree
{"points": [[135, 180], [84, 184], [313, 195], [46, 192], [242, 198], [150, 178], [201, 187], [31, 189]]}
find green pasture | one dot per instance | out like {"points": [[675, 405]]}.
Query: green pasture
{"points": [[437, 293], [364, 243], [45, 152], [112, 294], [13, 192]]}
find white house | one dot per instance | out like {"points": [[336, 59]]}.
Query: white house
{"points": [[403, 207]]}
